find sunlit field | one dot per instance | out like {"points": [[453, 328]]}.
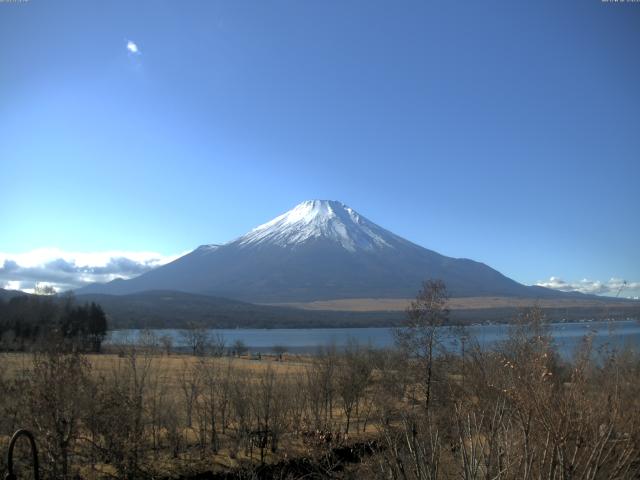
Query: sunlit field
{"points": [[513, 411]]}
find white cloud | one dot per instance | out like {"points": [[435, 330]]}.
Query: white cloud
{"points": [[12, 285], [596, 287], [133, 48], [67, 270]]}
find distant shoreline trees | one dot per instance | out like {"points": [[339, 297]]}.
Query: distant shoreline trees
{"points": [[33, 322]]}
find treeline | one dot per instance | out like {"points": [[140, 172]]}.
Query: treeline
{"points": [[32, 322]]}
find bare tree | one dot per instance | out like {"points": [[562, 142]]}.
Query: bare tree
{"points": [[239, 348], [421, 332], [218, 344], [353, 376], [240, 402], [190, 387], [57, 397], [121, 417], [148, 340], [197, 338], [324, 369], [213, 398], [166, 342]]}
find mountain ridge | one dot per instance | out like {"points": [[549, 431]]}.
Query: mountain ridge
{"points": [[319, 250]]}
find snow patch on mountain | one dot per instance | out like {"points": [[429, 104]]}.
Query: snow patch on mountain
{"points": [[211, 247], [320, 219]]}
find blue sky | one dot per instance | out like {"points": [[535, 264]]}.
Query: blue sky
{"points": [[506, 132]]}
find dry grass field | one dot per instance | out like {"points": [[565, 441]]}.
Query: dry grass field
{"points": [[170, 365], [460, 303], [181, 398], [516, 411]]}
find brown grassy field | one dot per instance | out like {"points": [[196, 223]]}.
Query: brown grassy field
{"points": [[171, 365], [460, 303], [169, 380], [516, 411]]}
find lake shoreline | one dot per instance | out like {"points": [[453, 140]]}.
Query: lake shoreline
{"points": [[567, 335]]}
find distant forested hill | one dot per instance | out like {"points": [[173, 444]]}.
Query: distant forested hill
{"points": [[170, 309]]}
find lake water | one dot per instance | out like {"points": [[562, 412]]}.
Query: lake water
{"points": [[567, 336]]}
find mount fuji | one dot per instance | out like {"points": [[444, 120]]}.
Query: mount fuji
{"points": [[319, 250]]}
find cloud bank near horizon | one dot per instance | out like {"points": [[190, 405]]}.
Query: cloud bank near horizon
{"points": [[70, 270], [612, 287]]}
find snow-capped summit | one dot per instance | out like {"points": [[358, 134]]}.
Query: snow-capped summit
{"points": [[315, 220]]}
